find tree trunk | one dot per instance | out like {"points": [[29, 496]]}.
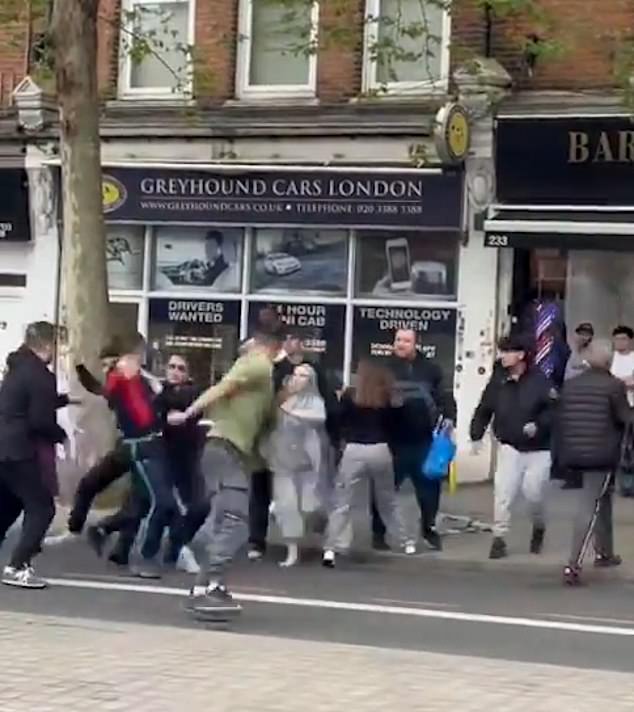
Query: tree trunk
{"points": [[84, 274], [84, 241]]}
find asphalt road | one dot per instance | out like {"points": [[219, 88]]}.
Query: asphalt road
{"points": [[422, 603]]}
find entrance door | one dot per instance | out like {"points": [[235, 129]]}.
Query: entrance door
{"points": [[11, 327]]}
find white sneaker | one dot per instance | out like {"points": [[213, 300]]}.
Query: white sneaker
{"points": [[22, 578], [187, 561], [410, 548], [328, 559], [255, 555], [57, 539]]}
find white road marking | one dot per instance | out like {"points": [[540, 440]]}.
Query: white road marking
{"points": [[595, 619], [358, 607]]}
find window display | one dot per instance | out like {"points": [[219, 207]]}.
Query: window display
{"points": [[205, 331], [289, 260], [321, 327], [208, 258], [376, 327], [406, 264], [124, 256]]}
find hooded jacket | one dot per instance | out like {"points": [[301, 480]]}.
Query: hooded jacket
{"points": [[28, 407]]}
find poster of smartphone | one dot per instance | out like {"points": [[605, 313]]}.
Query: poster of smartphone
{"points": [[398, 262]]}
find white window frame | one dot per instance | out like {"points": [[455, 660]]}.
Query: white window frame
{"points": [[126, 90], [370, 66], [247, 91]]}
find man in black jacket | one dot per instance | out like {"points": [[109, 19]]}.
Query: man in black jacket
{"points": [[592, 415], [419, 383], [28, 417], [519, 399]]}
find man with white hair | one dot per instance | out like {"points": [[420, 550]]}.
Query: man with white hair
{"points": [[593, 414]]}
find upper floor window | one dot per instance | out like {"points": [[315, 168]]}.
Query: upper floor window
{"points": [[155, 42], [407, 45], [277, 48]]}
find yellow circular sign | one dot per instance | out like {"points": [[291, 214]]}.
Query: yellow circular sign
{"points": [[113, 193], [458, 134], [452, 133]]}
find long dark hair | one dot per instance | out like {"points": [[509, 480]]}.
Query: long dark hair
{"points": [[374, 385]]}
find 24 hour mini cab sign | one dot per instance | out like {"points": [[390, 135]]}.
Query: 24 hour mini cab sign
{"points": [[413, 198]]}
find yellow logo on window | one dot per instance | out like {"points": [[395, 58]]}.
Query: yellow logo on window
{"points": [[113, 193]]}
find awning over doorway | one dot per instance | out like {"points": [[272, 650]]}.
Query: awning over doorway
{"points": [[527, 227]]}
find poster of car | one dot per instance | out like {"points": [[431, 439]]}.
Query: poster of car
{"points": [[124, 256], [289, 259], [208, 258], [406, 264]]}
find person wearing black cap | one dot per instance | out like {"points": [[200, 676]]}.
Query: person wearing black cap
{"points": [[520, 405], [577, 364]]}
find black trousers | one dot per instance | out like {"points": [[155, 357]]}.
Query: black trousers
{"points": [[407, 463], [109, 469], [259, 505], [23, 489], [183, 474]]}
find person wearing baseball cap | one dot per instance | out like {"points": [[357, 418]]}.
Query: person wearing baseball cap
{"points": [[577, 364]]}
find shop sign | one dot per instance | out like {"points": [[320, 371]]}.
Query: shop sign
{"points": [[572, 160], [376, 327], [194, 322], [452, 133], [404, 198], [321, 326], [14, 205]]}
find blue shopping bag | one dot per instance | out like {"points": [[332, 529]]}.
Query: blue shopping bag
{"points": [[440, 455]]}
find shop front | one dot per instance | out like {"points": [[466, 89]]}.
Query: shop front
{"points": [[344, 256], [15, 239], [564, 217]]}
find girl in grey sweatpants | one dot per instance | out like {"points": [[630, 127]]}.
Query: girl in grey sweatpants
{"points": [[366, 418]]}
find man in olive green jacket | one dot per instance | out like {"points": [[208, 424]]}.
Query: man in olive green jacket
{"points": [[240, 408]]}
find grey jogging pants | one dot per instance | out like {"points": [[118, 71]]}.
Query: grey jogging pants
{"points": [[359, 463]]}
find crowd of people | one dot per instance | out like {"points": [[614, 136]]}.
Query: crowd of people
{"points": [[209, 465]]}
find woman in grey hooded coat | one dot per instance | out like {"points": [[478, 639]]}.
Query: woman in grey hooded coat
{"points": [[297, 455]]}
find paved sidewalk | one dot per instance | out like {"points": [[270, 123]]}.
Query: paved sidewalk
{"points": [[60, 664]]}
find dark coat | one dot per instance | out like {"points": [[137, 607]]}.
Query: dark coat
{"points": [[28, 407], [512, 404], [592, 414], [420, 384]]}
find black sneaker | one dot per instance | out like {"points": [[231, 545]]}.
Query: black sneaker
{"points": [[379, 543], [433, 540], [97, 539], [120, 558], [498, 548], [537, 540], [216, 602], [604, 562]]}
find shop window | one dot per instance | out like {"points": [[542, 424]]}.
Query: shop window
{"points": [[155, 40], [298, 260], [321, 326], [376, 327], [124, 255], [206, 332], [124, 320], [407, 45], [274, 57], [188, 258], [406, 265]]}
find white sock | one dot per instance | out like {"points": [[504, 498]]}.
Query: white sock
{"points": [[292, 556]]}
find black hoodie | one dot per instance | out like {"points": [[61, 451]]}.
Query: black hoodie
{"points": [[28, 407]]}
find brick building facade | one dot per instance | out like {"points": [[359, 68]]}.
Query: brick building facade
{"points": [[311, 181]]}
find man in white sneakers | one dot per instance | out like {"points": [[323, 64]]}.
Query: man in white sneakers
{"points": [[519, 400]]}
